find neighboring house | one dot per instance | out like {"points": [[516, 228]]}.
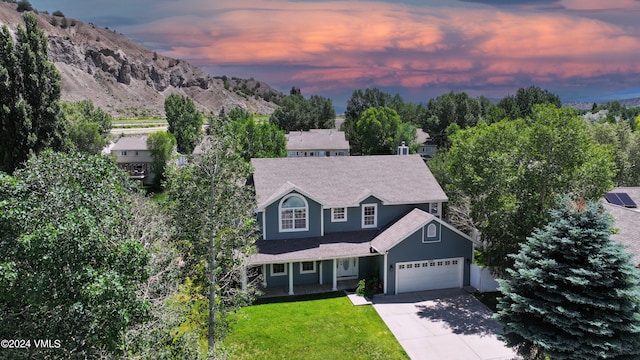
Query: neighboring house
{"points": [[133, 156], [627, 219], [427, 148], [324, 220], [317, 143]]}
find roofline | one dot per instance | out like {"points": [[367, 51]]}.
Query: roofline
{"points": [[275, 197], [315, 259]]}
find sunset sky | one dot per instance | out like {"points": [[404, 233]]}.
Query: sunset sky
{"points": [[578, 49]]}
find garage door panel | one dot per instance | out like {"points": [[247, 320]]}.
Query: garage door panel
{"points": [[429, 275]]}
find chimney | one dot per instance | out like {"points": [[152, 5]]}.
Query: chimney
{"points": [[403, 149]]}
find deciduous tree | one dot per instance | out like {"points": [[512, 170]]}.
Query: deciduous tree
{"points": [[511, 171], [185, 122], [70, 259], [297, 113], [30, 116], [88, 126], [161, 145], [572, 293]]}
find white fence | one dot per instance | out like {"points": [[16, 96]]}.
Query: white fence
{"points": [[482, 280]]}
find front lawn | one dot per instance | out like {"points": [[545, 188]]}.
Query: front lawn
{"points": [[324, 326]]}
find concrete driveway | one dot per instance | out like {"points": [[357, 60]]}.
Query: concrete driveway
{"points": [[443, 325]]}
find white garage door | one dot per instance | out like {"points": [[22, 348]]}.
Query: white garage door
{"points": [[429, 275]]}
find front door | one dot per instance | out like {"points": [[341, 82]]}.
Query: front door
{"points": [[347, 268]]}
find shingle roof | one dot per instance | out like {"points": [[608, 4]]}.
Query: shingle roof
{"points": [[401, 229], [347, 180], [317, 139], [330, 246], [130, 143], [627, 223]]}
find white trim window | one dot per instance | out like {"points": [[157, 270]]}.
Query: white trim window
{"points": [[369, 215], [430, 233], [293, 214], [339, 214], [278, 269], [307, 267]]}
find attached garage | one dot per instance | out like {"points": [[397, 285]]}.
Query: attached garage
{"points": [[429, 275]]}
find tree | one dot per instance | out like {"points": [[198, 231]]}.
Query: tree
{"points": [[447, 109], [30, 116], [212, 211], [255, 140], [521, 105], [88, 126], [625, 146], [297, 113], [24, 5], [572, 293], [377, 131], [185, 122], [70, 259], [161, 145], [511, 171]]}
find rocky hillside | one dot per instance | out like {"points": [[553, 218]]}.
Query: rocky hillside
{"points": [[127, 79]]}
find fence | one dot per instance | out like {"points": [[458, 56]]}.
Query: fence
{"points": [[482, 280]]}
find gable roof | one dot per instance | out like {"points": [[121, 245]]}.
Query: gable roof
{"points": [[130, 143], [344, 180], [627, 222], [317, 139], [405, 227]]}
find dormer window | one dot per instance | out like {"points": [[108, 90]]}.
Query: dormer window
{"points": [[369, 215], [293, 214]]}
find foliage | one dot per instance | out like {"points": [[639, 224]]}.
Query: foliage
{"points": [[30, 117], [522, 104], [625, 146], [70, 256], [209, 199], [361, 100], [452, 108], [368, 287], [322, 326], [161, 145], [297, 113], [379, 131], [255, 140], [88, 126], [572, 292], [510, 172], [24, 5], [57, 13], [185, 122]]}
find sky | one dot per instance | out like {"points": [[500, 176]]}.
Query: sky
{"points": [[579, 49]]}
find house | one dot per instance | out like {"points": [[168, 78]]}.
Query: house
{"points": [[329, 219], [317, 142], [133, 156], [627, 218], [427, 147]]}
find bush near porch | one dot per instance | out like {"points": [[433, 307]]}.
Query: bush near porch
{"points": [[322, 326]]}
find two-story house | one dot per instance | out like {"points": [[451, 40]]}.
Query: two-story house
{"points": [[133, 156], [317, 143], [329, 219]]}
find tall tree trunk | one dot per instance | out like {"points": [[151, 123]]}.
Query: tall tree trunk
{"points": [[212, 263]]}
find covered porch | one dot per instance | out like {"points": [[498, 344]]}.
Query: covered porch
{"points": [[309, 288]]}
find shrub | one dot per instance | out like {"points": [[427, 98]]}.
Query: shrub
{"points": [[24, 5], [57, 13]]}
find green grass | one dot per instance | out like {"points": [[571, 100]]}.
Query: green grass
{"points": [[124, 123], [325, 326]]}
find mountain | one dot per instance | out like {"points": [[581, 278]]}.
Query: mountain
{"points": [[126, 79]]}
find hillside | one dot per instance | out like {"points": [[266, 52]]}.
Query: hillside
{"points": [[127, 79]]}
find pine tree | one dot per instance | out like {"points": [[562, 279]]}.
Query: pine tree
{"points": [[30, 116], [572, 293]]}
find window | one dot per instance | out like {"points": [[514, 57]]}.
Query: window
{"points": [[431, 230], [278, 269], [136, 153], [434, 208], [338, 214], [293, 214], [123, 153], [307, 267], [369, 215], [430, 233]]}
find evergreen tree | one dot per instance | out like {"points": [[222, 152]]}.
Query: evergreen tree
{"points": [[30, 116], [572, 293]]}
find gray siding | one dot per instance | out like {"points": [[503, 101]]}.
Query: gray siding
{"points": [[412, 248], [386, 214], [273, 226]]}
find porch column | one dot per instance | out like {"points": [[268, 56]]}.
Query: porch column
{"points": [[264, 275], [320, 270], [335, 275], [290, 278], [386, 271]]}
